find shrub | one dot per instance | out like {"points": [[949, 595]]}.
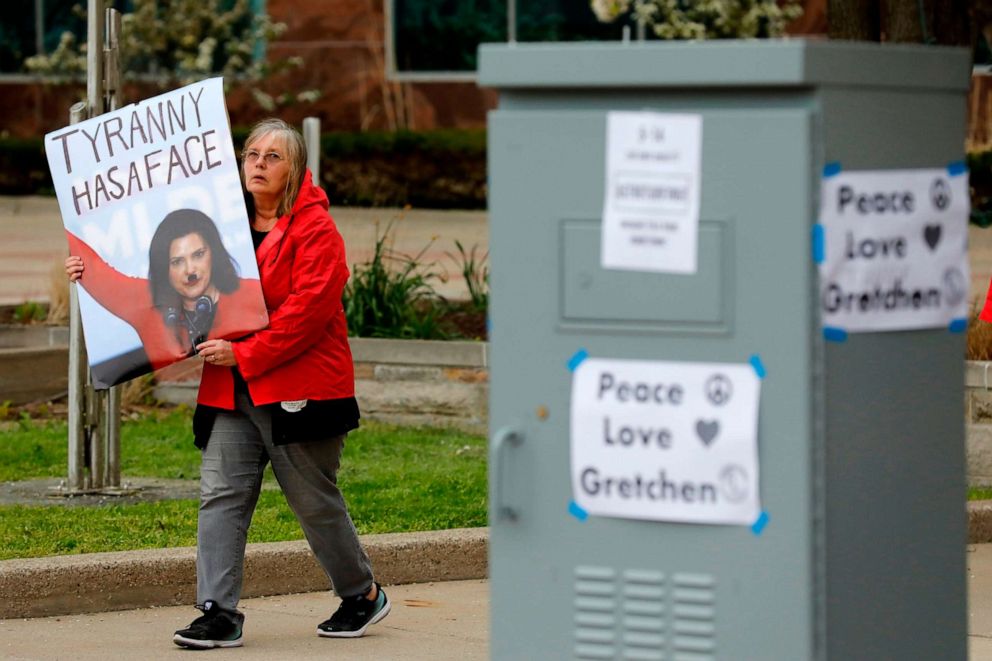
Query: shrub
{"points": [[979, 338], [443, 169], [714, 19], [391, 296], [475, 272], [30, 312]]}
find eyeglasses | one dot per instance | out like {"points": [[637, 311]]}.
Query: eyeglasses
{"points": [[271, 158]]}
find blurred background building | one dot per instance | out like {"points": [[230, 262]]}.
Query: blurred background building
{"points": [[371, 64]]}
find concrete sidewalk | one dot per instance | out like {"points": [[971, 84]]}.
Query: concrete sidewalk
{"points": [[980, 602], [428, 621], [447, 620]]}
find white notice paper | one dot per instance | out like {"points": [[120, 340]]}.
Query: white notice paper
{"points": [[894, 249], [651, 204], [666, 441]]}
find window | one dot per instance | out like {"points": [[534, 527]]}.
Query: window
{"points": [[439, 39], [29, 27]]}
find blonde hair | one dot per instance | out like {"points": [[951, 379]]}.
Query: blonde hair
{"points": [[296, 155]]}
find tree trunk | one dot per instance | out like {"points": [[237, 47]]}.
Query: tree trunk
{"points": [[944, 22], [902, 21], [853, 20], [952, 25]]}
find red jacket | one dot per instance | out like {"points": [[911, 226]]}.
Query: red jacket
{"points": [[304, 352], [130, 299]]}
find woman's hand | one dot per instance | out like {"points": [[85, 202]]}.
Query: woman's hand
{"points": [[74, 267], [217, 352]]}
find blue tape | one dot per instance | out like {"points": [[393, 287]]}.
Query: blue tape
{"points": [[576, 359], [831, 169], [759, 367], [758, 526], [819, 246], [831, 334], [958, 326], [957, 168], [577, 512]]}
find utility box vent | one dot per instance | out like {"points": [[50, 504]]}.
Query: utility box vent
{"points": [[643, 615]]}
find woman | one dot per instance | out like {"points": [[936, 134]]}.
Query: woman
{"points": [[192, 293], [284, 394]]}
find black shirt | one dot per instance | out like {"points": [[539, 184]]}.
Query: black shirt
{"points": [[239, 382], [256, 236]]}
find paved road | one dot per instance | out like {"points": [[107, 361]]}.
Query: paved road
{"points": [[32, 242]]}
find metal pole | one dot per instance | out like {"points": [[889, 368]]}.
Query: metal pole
{"points": [[39, 26], [311, 137], [94, 56], [98, 441], [112, 60], [511, 21], [77, 370], [389, 46], [95, 19], [112, 413]]}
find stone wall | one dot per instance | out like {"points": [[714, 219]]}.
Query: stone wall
{"points": [[409, 382], [423, 382], [34, 363], [978, 422]]}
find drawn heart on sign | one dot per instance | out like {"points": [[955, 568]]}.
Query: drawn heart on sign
{"points": [[931, 234], [707, 431]]}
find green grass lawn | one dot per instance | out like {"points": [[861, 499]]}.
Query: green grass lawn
{"points": [[395, 479]]}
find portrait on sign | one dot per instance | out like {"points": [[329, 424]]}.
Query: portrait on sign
{"points": [[152, 202]]}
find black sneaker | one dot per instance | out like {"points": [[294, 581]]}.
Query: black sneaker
{"points": [[215, 628], [354, 616]]}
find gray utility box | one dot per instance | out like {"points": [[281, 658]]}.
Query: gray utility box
{"points": [[861, 444]]}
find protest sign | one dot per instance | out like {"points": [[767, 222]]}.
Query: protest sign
{"points": [[892, 248], [652, 192], [151, 199], [666, 441]]}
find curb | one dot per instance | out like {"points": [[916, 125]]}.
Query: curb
{"points": [[980, 522], [100, 582]]}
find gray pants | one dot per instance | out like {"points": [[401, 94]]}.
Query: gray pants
{"points": [[240, 446]]}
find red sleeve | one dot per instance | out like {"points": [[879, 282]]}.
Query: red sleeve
{"points": [[319, 275], [124, 296]]}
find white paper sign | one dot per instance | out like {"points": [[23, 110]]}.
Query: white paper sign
{"points": [[666, 441], [137, 187], [651, 205], [895, 251]]}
